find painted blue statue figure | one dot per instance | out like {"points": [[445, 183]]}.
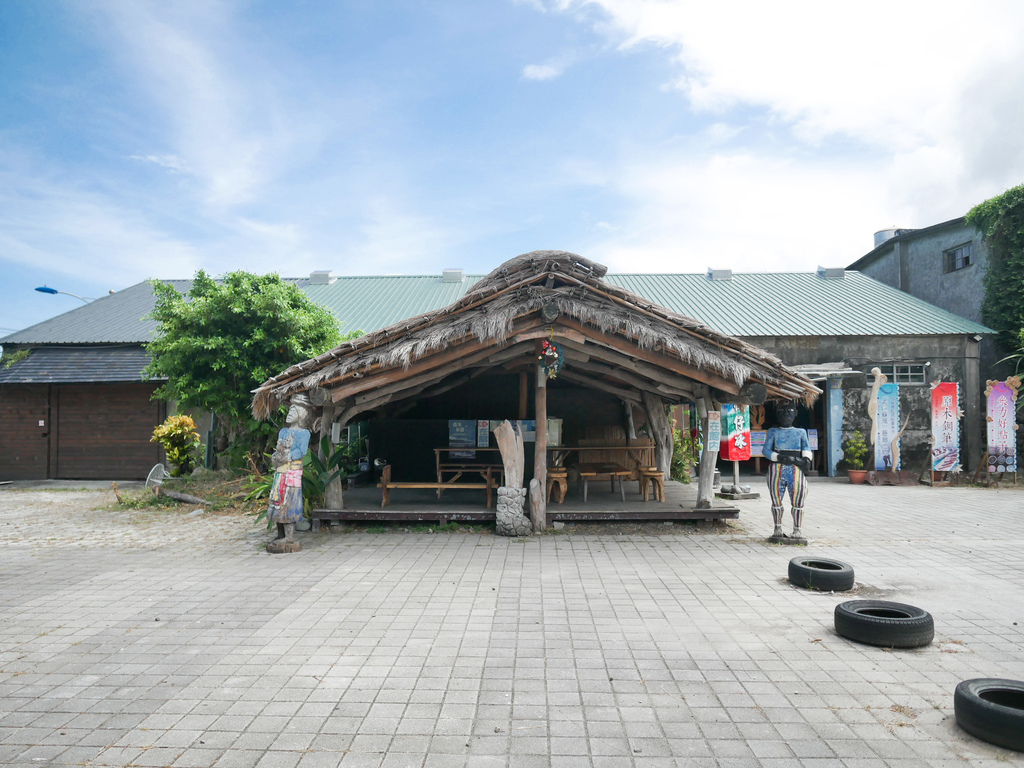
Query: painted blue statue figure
{"points": [[788, 450], [286, 507]]}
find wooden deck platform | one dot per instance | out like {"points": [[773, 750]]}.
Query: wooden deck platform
{"points": [[420, 505]]}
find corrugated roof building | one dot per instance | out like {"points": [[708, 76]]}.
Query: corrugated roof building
{"points": [[804, 318]]}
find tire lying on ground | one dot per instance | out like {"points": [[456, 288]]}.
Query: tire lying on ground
{"points": [[992, 709], [820, 573], [879, 622]]}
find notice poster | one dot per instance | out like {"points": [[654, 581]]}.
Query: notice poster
{"points": [[462, 434], [735, 432], [888, 426], [483, 433], [529, 428], [714, 431], [946, 426], [757, 438], [1001, 399], [812, 438]]}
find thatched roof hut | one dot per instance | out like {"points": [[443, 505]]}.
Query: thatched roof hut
{"points": [[612, 340], [530, 293]]}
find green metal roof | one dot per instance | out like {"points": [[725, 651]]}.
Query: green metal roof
{"points": [[797, 304], [749, 304], [369, 303]]}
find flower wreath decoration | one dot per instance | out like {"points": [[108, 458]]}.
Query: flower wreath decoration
{"points": [[551, 358]]}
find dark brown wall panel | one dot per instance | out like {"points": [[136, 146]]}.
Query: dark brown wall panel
{"points": [[103, 431], [23, 443]]}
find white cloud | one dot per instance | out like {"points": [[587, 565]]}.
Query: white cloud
{"points": [[739, 211], [541, 71], [876, 113], [170, 162], [221, 109]]}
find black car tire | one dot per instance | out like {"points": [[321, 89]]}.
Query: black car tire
{"points": [[879, 622], [992, 710], [820, 573]]}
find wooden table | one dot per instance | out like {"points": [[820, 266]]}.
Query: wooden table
{"points": [[449, 471], [598, 468]]}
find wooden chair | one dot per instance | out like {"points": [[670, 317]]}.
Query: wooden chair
{"points": [[558, 478], [652, 477]]}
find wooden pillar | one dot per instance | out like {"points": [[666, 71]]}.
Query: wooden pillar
{"points": [[333, 498], [660, 429], [524, 395], [538, 509], [630, 424], [706, 478]]}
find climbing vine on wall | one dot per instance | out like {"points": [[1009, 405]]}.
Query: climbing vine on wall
{"points": [[1001, 222]]}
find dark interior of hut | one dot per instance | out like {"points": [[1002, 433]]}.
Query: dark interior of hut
{"points": [[407, 440]]}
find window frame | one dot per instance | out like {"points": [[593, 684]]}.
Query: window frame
{"points": [[911, 375], [958, 258]]}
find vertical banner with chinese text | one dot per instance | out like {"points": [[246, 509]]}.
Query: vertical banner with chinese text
{"points": [[1001, 397], [735, 432], [714, 432], [946, 426], [887, 425]]}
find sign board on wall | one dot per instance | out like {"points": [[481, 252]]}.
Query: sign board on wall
{"points": [[757, 438], [462, 434]]}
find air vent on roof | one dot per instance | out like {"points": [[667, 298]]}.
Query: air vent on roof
{"points": [[321, 277], [831, 273], [453, 275], [719, 274]]}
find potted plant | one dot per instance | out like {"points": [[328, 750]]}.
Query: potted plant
{"points": [[856, 454]]}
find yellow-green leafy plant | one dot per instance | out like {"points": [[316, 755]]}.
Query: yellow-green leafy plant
{"points": [[179, 439], [856, 451]]}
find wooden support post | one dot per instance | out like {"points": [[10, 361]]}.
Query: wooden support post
{"points": [[334, 497], [524, 395], [538, 509], [630, 424], [660, 429], [706, 477]]}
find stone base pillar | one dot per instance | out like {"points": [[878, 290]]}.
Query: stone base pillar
{"points": [[509, 515]]}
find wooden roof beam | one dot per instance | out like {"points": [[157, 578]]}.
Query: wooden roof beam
{"points": [[660, 359], [630, 395], [452, 357]]}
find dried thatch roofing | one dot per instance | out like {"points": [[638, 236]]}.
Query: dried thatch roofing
{"points": [[533, 290]]}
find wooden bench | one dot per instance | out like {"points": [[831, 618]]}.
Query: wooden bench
{"points": [[440, 515], [386, 485]]}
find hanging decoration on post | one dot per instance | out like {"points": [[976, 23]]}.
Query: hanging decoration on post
{"points": [[551, 358], [1002, 424], [946, 415]]}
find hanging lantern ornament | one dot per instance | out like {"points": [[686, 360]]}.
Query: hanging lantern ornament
{"points": [[551, 358]]}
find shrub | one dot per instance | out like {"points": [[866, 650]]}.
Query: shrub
{"points": [[179, 439], [856, 451]]}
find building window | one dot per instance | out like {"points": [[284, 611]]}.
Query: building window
{"points": [[958, 258], [901, 373]]}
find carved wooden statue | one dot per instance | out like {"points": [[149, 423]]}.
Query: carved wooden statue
{"points": [[286, 505], [788, 450]]}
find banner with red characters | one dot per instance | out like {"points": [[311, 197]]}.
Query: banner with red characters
{"points": [[735, 432]]}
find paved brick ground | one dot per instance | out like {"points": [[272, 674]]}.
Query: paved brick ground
{"points": [[172, 639]]}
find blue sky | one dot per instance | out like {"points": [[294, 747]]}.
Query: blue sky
{"points": [[152, 139]]}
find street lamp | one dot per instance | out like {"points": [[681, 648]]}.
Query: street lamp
{"points": [[46, 289]]}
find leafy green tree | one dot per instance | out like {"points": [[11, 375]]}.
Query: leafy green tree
{"points": [[226, 337], [1001, 222]]}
